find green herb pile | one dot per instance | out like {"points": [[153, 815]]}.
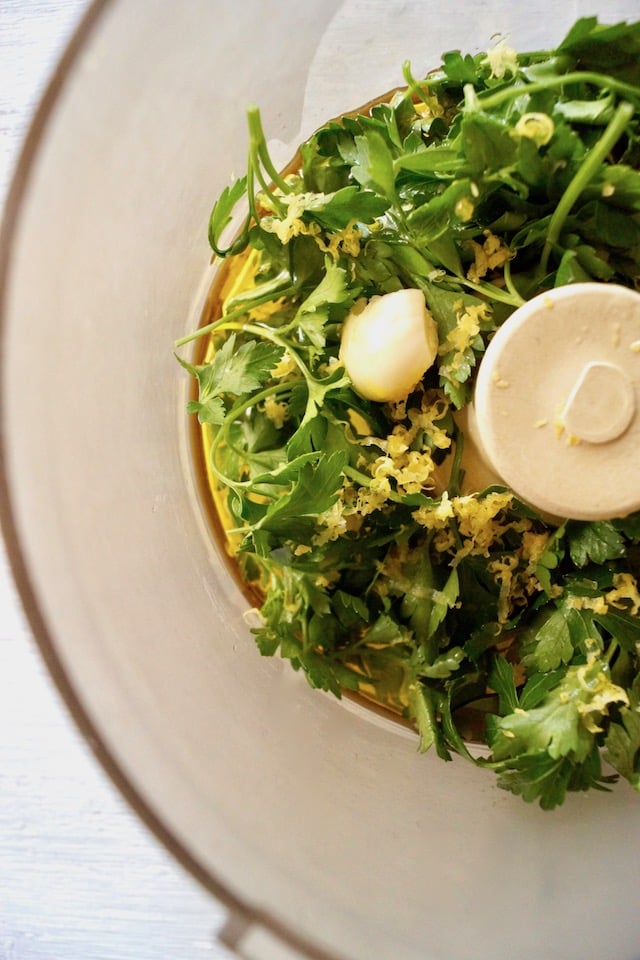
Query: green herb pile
{"points": [[496, 177]]}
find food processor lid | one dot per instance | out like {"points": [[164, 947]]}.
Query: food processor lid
{"points": [[557, 401]]}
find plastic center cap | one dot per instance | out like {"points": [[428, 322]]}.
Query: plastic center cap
{"points": [[601, 405], [557, 402]]}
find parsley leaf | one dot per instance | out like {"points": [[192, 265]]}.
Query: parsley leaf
{"points": [[316, 488], [221, 218], [598, 541], [313, 313], [373, 164], [553, 642], [622, 745]]}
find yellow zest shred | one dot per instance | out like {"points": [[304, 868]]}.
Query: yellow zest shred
{"points": [[596, 604], [292, 225], [599, 692], [276, 410], [346, 241], [479, 521], [501, 59], [461, 337], [625, 588], [285, 367], [489, 255]]}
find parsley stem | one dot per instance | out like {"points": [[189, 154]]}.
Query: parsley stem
{"points": [[259, 145], [254, 172], [232, 316], [510, 285], [278, 206], [585, 173], [236, 411], [492, 292], [491, 100], [415, 88], [457, 473], [365, 481], [210, 327], [316, 388], [266, 333]]}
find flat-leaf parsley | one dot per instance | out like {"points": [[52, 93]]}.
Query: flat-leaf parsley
{"points": [[381, 569]]}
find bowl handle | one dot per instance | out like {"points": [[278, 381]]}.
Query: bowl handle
{"points": [[253, 936]]}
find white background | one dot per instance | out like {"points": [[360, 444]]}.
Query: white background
{"points": [[80, 877]]}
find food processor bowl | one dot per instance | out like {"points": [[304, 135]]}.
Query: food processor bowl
{"points": [[316, 821]]}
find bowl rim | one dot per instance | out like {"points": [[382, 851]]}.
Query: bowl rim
{"points": [[242, 916]]}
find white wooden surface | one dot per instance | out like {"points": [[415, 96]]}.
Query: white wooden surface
{"points": [[80, 877]]}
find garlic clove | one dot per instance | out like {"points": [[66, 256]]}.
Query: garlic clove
{"points": [[388, 344]]}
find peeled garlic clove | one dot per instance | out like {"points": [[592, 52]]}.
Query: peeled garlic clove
{"points": [[388, 344]]}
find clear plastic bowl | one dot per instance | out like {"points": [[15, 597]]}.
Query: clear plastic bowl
{"points": [[317, 823]]}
